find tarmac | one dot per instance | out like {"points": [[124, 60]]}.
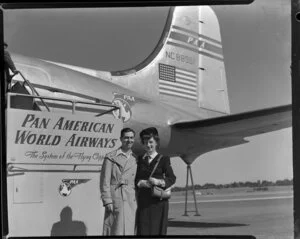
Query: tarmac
{"points": [[264, 215]]}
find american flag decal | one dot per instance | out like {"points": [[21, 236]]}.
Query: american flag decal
{"points": [[178, 82]]}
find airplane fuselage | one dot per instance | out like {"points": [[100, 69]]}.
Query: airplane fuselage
{"points": [[53, 80]]}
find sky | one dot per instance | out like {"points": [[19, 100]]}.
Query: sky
{"points": [[256, 42]]}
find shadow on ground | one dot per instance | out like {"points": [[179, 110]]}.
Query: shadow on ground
{"points": [[203, 224]]}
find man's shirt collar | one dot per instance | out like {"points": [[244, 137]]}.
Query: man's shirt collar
{"points": [[127, 155]]}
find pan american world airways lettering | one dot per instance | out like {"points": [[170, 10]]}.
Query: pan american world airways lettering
{"points": [[62, 124], [42, 131]]}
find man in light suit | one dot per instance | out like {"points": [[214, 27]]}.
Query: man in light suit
{"points": [[118, 189]]}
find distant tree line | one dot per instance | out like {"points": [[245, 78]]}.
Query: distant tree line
{"points": [[257, 184]]}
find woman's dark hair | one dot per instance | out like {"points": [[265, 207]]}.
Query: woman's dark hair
{"points": [[148, 133]]}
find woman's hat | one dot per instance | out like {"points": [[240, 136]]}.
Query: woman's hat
{"points": [[149, 131]]}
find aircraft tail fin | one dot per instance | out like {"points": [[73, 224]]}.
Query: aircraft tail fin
{"points": [[187, 66]]}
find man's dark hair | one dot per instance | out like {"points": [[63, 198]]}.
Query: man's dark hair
{"points": [[126, 130]]}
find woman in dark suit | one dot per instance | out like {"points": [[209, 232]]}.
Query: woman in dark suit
{"points": [[152, 212]]}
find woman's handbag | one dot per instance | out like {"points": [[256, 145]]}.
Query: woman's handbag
{"points": [[156, 191], [161, 193]]}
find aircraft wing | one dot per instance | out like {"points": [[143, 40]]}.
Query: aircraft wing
{"points": [[231, 130], [243, 124]]}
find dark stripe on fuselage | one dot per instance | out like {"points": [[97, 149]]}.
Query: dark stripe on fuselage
{"points": [[69, 107], [195, 50], [195, 42], [53, 89], [197, 34], [213, 48]]}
